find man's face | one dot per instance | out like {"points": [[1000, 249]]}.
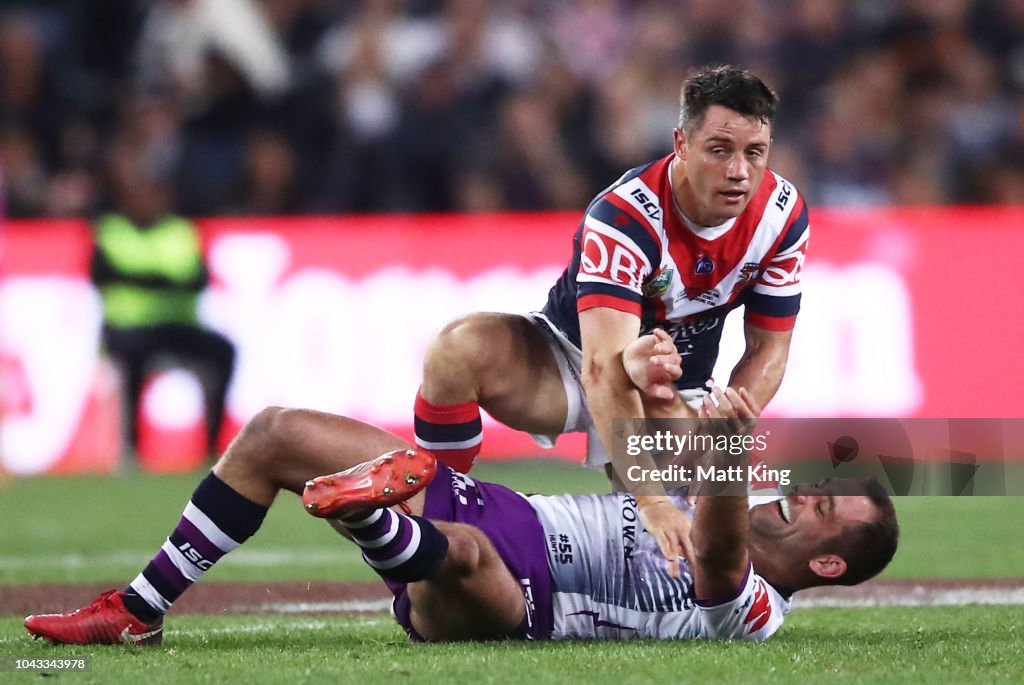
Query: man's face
{"points": [[809, 515], [725, 160]]}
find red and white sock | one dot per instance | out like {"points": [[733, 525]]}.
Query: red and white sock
{"points": [[453, 433]]}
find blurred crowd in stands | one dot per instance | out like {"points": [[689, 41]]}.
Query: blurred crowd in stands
{"points": [[255, 107]]}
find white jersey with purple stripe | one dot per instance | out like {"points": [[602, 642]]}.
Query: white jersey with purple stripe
{"points": [[633, 252], [610, 580]]}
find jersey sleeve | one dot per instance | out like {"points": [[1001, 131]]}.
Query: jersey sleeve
{"points": [[775, 300], [755, 613], [617, 251]]}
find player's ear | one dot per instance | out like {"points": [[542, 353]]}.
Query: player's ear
{"points": [[679, 143], [828, 566]]}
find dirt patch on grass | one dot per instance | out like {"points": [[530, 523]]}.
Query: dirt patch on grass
{"points": [[323, 598], [211, 598]]}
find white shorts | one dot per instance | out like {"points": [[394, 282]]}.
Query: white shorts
{"points": [[578, 420]]}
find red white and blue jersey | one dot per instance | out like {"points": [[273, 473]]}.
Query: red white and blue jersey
{"points": [[634, 253]]}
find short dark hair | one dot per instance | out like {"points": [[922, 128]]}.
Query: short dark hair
{"points": [[738, 89], [867, 548]]}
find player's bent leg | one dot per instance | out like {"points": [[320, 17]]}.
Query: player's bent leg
{"points": [[501, 362], [281, 449], [471, 596], [504, 363], [277, 449], [450, 577]]}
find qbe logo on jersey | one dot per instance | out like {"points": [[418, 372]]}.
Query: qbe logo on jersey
{"points": [[611, 259]]}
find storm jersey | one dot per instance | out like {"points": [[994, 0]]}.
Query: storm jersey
{"points": [[611, 581], [633, 252]]}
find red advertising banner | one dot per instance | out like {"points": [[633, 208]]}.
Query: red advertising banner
{"points": [[906, 313]]}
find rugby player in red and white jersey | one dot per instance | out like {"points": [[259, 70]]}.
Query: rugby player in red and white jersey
{"points": [[674, 245]]}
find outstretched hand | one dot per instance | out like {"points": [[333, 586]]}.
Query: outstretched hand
{"points": [[670, 528], [652, 363], [729, 413]]}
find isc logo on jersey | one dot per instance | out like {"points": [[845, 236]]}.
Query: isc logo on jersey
{"points": [[603, 258]]}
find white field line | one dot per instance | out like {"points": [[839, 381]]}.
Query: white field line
{"points": [[273, 626], [923, 598], [356, 606], [920, 597], [242, 557]]}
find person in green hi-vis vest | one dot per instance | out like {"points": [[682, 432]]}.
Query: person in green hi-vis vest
{"points": [[149, 268]]}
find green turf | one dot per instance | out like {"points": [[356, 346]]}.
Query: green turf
{"points": [[959, 537], [930, 645], [102, 528], [105, 528]]}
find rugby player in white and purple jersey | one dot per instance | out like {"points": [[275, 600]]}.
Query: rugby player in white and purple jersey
{"points": [[468, 560], [672, 246]]}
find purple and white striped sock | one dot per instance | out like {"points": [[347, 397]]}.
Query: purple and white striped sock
{"points": [[398, 547], [216, 520]]}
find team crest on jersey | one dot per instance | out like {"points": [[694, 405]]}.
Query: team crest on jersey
{"points": [[703, 266], [660, 283], [747, 273]]}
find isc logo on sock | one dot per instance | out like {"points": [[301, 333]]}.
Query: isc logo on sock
{"points": [[193, 555]]}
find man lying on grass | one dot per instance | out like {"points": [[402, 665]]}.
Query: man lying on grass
{"points": [[468, 560]]}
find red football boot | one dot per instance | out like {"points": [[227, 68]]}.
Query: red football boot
{"points": [[385, 481], [104, 622]]}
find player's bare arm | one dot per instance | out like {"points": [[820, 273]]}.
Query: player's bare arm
{"points": [[611, 394], [763, 364], [605, 334], [721, 525]]}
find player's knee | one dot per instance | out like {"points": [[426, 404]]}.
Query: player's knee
{"points": [[463, 349], [261, 438]]}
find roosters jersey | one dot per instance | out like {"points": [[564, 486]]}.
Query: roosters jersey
{"points": [[634, 253], [610, 581]]}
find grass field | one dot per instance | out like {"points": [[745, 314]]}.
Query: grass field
{"points": [[99, 529], [950, 645]]}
